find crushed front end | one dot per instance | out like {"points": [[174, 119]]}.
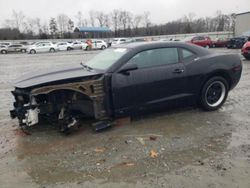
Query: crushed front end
{"points": [[62, 103]]}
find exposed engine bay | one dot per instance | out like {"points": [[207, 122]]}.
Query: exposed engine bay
{"points": [[61, 103]]}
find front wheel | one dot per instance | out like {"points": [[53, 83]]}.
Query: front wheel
{"points": [[23, 51], [4, 52], [103, 47], [214, 93]]}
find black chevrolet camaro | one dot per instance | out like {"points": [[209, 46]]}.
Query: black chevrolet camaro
{"points": [[125, 80]]}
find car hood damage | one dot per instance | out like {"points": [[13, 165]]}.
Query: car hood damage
{"points": [[61, 94], [55, 75]]}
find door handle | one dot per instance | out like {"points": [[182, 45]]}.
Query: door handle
{"points": [[178, 71]]}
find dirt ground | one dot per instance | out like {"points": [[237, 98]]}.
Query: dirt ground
{"points": [[178, 148]]}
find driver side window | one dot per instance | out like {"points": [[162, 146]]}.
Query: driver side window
{"points": [[155, 57]]}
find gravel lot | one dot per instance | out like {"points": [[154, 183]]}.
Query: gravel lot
{"points": [[192, 148]]}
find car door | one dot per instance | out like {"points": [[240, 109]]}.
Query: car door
{"points": [[40, 47], [160, 78], [98, 44], [63, 46], [18, 48], [60, 46], [11, 48], [201, 41]]}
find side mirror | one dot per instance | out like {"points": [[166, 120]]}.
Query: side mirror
{"points": [[128, 67]]}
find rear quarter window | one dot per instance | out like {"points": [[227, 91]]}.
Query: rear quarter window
{"points": [[187, 55]]}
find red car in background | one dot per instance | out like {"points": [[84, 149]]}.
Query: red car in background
{"points": [[245, 50], [203, 41], [219, 42]]}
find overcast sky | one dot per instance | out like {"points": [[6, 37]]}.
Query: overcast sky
{"points": [[161, 11]]}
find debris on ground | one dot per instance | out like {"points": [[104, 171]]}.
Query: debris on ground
{"points": [[152, 138], [99, 150], [129, 164], [153, 154], [141, 140]]}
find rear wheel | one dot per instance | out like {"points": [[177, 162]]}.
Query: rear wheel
{"points": [[4, 52], [52, 50], [207, 46], [32, 51], [23, 50], [68, 48], [214, 93], [103, 47]]}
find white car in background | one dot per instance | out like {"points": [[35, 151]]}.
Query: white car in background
{"points": [[63, 46], [42, 47], [79, 45], [3, 49], [98, 45], [117, 41], [5, 43]]}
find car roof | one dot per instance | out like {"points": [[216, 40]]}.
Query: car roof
{"points": [[162, 44]]}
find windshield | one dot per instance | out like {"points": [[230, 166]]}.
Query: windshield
{"points": [[106, 58]]}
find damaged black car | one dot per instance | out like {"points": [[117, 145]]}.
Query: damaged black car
{"points": [[126, 80]]}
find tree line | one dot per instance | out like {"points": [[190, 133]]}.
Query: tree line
{"points": [[121, 22]]}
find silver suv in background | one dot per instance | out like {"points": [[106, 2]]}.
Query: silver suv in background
{"points": [[42, 47], [16, 48], [117, 41], [97, 45], [63, 46]]}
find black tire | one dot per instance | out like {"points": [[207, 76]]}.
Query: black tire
{"points": [[52, 50], [4, 52], [33, 51], [246, 57], [103, 47], [23, 51], [207, 46], [214, 93], [68, 49]]}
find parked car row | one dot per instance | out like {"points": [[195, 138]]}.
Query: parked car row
{"points": [[207, 42], [97, 44], [48, 46]]}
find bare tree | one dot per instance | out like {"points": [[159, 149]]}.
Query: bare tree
{"points": [[100, 16], [53, 27], [136, 21], [70, 25], [146, 19], [92, 17], [106, 20], [62, 20], [18, 18], [115, 19], [16, 21], [80, 19]]}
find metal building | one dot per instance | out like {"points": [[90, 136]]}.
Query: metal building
{"points": [[242, 24]]}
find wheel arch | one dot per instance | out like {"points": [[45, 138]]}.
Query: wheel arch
{"points": [[220, 73]]}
